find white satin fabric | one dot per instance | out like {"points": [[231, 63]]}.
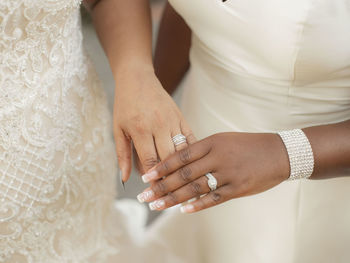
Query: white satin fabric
{"points": [[265, 66]]}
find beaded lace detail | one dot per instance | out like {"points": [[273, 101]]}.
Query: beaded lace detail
{"points": [[57, 161]]}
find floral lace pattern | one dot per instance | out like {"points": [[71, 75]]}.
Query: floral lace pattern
{"points": [[57, 161]]}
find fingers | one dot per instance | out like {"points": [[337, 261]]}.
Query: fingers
{"points": [[181, 146], [221, 195], [145, 148], [123, 148], [192, 190], [186, 130], [177, 180], [177, 160], [164, 144], [137, 162]]}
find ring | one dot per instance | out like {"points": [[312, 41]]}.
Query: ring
{"points": [[179, 139], [212, 182]]}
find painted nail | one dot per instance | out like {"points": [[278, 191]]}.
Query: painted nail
{"points": [[145, 196], [187, 208], [146, 178], [158, 204]]}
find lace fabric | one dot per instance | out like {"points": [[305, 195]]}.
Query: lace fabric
{"points": [[57, 160]]}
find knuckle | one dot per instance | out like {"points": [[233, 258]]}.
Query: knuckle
{"points": [[165, 166], [211, 140], [159, 188], [216, 197], [123, 157], [195, 188], [140, 129], [185, 155], [191, 137], [201, 204], [135, 118], [185, 174], [138, 125], [150, 161], [172, 198]]}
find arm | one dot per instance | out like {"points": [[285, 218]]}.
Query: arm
{"points": [[124, 30], [331, 147], [243, 164], [142, 108], [171, 58]]}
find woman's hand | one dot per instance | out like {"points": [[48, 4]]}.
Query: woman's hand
{"points": [[242, 163], [145, 115]]}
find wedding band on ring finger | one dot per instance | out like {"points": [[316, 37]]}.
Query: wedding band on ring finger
{"points": [[179, 139], [212, 182]]}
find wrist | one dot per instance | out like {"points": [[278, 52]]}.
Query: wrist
{"points": [[134, 76], [132, 66], [300, 153], [280, 157]]}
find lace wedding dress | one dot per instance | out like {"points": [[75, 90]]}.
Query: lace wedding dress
{"points": [[57, 158]]}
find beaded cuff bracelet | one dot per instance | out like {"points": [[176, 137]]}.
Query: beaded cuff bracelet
{"points": [[301, 157]]}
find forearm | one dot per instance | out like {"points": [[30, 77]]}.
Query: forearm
{"points": [[331, 148], [172, 53], [124, 30]]}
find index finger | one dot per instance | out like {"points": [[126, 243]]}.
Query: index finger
{"points": [[177, 160]]}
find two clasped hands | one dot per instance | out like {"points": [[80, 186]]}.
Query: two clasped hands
{"points": [[146, 116], [242, 163]]}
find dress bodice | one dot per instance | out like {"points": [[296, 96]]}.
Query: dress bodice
{"points": [[290, 58], [264, 66]]}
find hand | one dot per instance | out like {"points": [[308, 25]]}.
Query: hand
{"points": [[145, 115], [242, 163]]}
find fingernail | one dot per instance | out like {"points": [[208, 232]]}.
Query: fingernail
{"points": [[146, 178], [158, 204], [121, 178], [145, 196], [187, 208]]}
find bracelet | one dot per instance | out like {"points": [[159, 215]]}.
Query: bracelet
{"points": [[300, 154]]}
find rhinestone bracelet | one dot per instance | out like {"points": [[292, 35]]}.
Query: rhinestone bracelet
{"points": [[301, 157]]}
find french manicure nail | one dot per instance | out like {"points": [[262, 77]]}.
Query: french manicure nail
{"points": [[146, 178], [187, 208], [158, 204], [145, 196]]}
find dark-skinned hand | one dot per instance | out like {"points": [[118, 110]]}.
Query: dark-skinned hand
{"points": [[242, 163]]}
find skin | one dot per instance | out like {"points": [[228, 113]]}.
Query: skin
{"points": [[243, 164], [144, 114], [171, 58]]}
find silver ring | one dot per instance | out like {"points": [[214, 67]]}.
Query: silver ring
{"points": [[212, 182], [179, 139]]}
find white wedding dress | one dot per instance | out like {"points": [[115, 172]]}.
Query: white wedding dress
{"points": [[266, 66], [57, 159]]}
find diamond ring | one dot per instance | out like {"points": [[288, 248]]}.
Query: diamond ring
{"points": [[179, 139], [212, 182]]}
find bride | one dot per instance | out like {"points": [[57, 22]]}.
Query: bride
{"points": [[57, 158]]}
